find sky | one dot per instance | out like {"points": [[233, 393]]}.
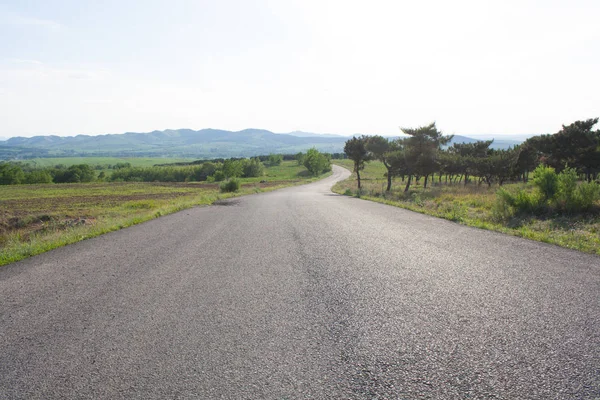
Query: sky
{"points": [[502, 68]]}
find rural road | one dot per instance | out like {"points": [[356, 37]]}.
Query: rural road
{"points": [[301, 294]]}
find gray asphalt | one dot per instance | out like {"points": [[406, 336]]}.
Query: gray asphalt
{"points": [[301, 294]]}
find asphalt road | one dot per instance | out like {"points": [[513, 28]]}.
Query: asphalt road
{"points": [[301, 294]]}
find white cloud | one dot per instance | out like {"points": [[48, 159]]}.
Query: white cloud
{"points": [[9, 18], [23, 61]]}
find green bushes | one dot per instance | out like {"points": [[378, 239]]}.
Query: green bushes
{"points": [[546, 180], [15, 174], [553, 193], [11, 174], [154, 174], [253, 168], [232, 185], [275, 159], [316, 162], [208, 171]]}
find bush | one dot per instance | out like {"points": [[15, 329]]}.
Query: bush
{"points": [[508, 204], [202, 172], [567, 185], [218, 176], [74, 174], [275, 159], [38, 176], [232, 185], [586, 195], [554, 192], [546, 180], [233, 168], [316, 162], [253, 168], [11, 174]]}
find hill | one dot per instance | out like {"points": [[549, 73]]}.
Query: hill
{"points": [[188, 143]]}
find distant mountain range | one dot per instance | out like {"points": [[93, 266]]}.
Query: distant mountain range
{"points": [[202, 144]]}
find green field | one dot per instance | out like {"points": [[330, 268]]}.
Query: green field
{"points": [[37, 218], [473, 205], [104, 161]]}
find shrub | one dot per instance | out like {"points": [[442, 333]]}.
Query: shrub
{"points": [[232, 185], [202, 172], [586, 195], [253, 168], [38, 176], [275, 159], [567, 185], [316, 162], [11, 174], [233, 168], [218, 176], [546, 180], [507, 204]]}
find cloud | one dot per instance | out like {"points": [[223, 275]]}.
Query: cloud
{"points": [[24, 72], [82, 74], [7, 18], [23, 61]]}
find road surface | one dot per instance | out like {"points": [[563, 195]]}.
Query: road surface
{"points": [[301, 294]]}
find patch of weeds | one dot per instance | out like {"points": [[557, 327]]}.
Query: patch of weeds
{"points": [[416, 198]]}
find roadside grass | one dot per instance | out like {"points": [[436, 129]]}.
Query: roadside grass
{"points": [[473, 205], [38, 218]]}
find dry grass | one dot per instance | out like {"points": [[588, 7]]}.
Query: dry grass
{"points": [[473, 205], [37, 218]]}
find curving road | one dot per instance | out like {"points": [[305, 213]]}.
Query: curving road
{"points": [[301, 294]]}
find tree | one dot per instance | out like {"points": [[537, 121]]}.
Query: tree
{"points": [[204, 171], [575, 145], [38, 176], [472, 157], [384, 150], [232, 168], [316, 162], [527, 160], [356, 150], [74, 174], [11, 174], [421, 150]]}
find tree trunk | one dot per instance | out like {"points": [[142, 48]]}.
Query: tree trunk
{"points": [[425, 184], [408, 183], [358, 177], [389, 181]]}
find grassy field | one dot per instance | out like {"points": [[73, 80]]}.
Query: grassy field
{"points": [[473, 205], [104, 161], [38, 218]]}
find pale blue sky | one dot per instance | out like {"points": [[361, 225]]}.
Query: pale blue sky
{"points": [[475, 67]]}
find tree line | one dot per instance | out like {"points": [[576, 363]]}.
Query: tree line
{"points": [[425, 154], [199, 171]]}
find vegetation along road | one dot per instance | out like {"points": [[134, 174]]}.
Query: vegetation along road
{"points": [[301, 293]]}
